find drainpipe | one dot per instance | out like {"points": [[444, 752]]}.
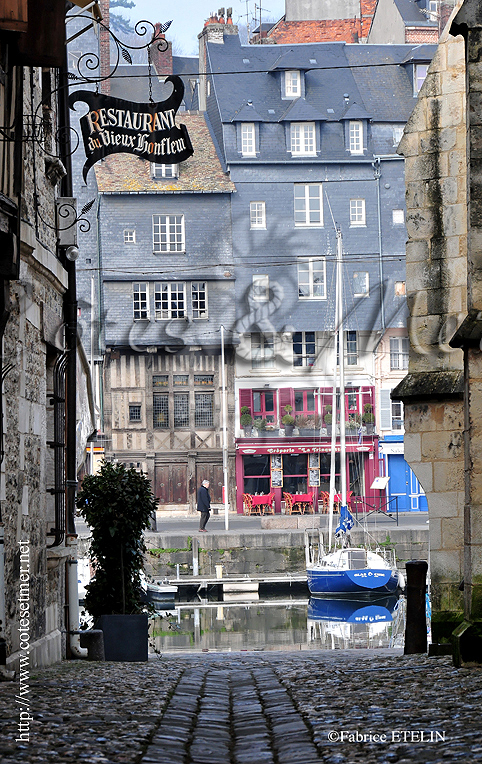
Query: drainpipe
{"points": [[70, 318], [73, 594], [377, 173]]}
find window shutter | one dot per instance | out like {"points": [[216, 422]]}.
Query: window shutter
{"points": [[246, 399], [385, 410], [286, 398]]}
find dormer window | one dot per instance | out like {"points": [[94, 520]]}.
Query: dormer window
{"points": [[356, 137], [292, 83], [419, 74], [302, 139], [248, 139], [164, 170]]}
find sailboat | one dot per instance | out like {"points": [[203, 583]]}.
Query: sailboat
{"points": [[345, 569]]}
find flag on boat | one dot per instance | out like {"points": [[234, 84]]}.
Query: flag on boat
{"points": [[346, 521]]}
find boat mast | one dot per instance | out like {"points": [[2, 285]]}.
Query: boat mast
{"points": [[341, 353]]}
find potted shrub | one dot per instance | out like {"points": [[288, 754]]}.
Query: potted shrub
{"points": [[288, 421], [305, 424], [246, 421], [260, 425], [368, 418], [272, 429], [328, 419], [118, 504]]}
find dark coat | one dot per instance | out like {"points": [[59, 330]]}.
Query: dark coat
{"points": [[203, 499]]}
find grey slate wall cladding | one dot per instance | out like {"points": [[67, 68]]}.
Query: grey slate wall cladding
{"points": [[378, 84]]}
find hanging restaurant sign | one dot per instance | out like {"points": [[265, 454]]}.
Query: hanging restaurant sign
{"points": [[147, 130]]}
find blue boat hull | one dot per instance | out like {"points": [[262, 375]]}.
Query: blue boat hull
{"points": [[366, 581]]}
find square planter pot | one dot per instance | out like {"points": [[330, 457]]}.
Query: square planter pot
{"points": [[125, 637]]}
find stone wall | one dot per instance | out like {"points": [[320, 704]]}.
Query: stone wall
{"points": [[434, 146]]}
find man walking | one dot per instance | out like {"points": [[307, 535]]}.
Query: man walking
{"points": [[203, 505]]}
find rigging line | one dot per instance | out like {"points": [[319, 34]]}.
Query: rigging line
{"points": [[207, 73], [331, 213]]}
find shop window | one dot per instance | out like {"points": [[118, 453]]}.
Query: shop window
{"points": [[264, 405], [256, 474], [295, 473]]}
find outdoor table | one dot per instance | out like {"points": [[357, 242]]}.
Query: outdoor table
{"points": [[258, 505], [298, 502]]}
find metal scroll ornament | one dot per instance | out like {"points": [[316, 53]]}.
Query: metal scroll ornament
{"points": [[147, 130]]}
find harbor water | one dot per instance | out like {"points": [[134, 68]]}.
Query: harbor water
{"points": [[241, 622]]}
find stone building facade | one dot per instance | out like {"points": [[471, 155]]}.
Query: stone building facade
{"points": [[39, 423], [438, 293]]}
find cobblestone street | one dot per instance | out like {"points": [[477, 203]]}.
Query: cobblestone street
{"points": [[250, 708]]}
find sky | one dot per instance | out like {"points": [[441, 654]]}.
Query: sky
{"points": [[188, 16]]}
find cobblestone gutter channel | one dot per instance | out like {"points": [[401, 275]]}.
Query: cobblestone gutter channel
{"points": [[373, 707]]}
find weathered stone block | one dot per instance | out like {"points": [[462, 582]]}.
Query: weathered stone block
{"points": [[444, 504], [417, 303], [412, 443], [421, 224], [417, 251]]}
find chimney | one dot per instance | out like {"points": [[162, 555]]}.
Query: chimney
{"points": [[104, 48], [161, 59]]}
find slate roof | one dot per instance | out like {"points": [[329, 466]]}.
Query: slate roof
{"points": [[123, 173], [372, 75], [131, 82], [412, 15]]}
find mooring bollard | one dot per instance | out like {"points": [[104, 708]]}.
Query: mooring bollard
{"points": [[416, 624]]}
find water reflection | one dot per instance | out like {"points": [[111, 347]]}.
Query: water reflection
{"points": [[280, 624], [342, 624]]}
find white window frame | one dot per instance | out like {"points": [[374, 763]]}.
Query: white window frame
{"points": [[397, 132], [129, 235], [302, 139], [168, 233], [171, 289], [292, 84], [308, 205], [399, 350], [257, 215], [199, 298], [140, 300], [355, 136], [420, 72], [357, 213], [315, 265], [262, 350], [366, 290], [164, 170], [398, 217], [391, 412], [351, 347], [248, 139], [306, 358], [260, 288]]}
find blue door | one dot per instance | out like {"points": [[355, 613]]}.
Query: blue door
{"points": [[399, 483]]}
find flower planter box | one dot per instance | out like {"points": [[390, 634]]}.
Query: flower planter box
{"points": [[125, 637]]}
